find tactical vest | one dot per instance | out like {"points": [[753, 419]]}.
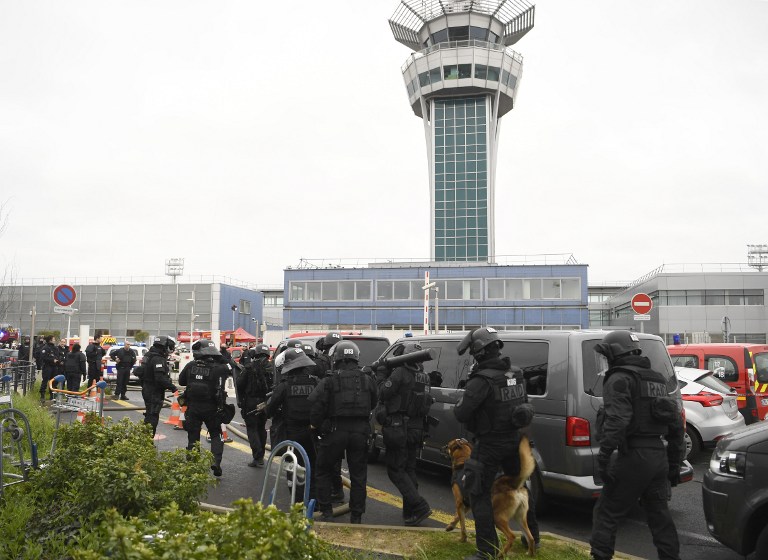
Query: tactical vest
{"points": [[296, 408], [201, 386], [419, 400], [257, 386], [651, 405], [351, 396], [507, 393]]}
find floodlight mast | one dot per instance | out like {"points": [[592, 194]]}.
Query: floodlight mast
{"points": [[757, 256], [174, 267], [461, 78]]}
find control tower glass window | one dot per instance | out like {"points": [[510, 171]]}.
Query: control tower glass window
{"points": [[461, 178]]}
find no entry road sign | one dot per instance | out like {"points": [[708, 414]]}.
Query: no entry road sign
{"points": [[64, 295], [642, 304]]}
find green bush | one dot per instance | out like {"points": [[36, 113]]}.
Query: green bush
{"points": [[251, 532], [96, 468]]}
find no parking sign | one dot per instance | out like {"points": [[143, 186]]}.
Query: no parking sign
{"points": [[64, 295]]}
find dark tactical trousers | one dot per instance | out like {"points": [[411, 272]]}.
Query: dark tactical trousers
{"points": [[495, 452], [256, 427], [196, 415], [402, 446], [640, 473], [121, 384], [331, 448]]}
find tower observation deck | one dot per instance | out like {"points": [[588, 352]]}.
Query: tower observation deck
{"points": [[461, 78]]}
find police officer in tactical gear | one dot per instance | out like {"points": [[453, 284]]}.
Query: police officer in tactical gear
{"points": [[405, 395], [253, 384], [124, 358], [49, 360], [341, 407], [493, 408], [93, 354], [291, 399], [204, 378], [156, 380], [637, 413]]}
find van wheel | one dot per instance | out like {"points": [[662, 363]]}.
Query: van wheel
{"points": [[692, 442], [761, 547], [537, 493]]}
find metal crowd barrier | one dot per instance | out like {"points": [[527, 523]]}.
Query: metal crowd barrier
{"points": [[75, 401], [22, 375], [289, 464]]}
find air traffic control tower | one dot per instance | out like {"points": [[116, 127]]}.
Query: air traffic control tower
{"points": [[461, 78]]}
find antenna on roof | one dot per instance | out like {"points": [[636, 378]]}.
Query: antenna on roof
{"points": [[757, 256]]}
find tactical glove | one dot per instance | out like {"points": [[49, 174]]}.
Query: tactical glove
{"points": [[674, 475], [603, 465]]}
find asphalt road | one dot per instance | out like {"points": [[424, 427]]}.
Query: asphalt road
{"points": [[569, 519]]}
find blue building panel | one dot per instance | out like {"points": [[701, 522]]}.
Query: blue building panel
{"points": [[376, 312], [234, 295]]}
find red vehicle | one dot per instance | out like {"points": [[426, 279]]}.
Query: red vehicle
{"points": [[742, 366]]}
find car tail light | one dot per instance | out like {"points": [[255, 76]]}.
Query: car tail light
{"points": [[705, 399], [577, 432]]}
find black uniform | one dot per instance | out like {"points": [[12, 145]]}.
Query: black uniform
{"points": [[341, 407], [62, 350], [124, 360], [205, 379], [291, 397], [494, 390], [405, 394], [155, 383], [74, 369], [49, 359], [633, 424], [252, 389], [323, 368], [93, 354]]}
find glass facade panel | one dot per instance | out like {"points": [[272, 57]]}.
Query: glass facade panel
{"points": [[460, 159], [384, 290], [514, 289], [330, 291], [402, 290], [346, 291], [532, 288], [551, 288], [312, 292], [571, 288], [363, 290]]}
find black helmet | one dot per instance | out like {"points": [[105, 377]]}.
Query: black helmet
{"points": [[293, 343], [295, 358], [407, 348], [166, 342], [309, 350], [478, 339], [261, 350], [616, 344], [203, 348], [226, 413], [345, 350], [328, 341]]}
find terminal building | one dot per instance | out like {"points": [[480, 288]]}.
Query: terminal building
{"points": [[390, 296], [122, 307]]}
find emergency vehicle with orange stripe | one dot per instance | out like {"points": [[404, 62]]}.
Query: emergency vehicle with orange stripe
{"points": [[742, 366]]}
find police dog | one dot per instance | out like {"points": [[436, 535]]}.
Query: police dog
{"points": [[508, 494]]}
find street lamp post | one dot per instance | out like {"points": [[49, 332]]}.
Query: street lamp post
{"points": [[234, 310], [435, 287], [192, 318]]}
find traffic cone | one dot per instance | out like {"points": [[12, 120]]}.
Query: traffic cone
{"points": [[94, 391], [175, 418], [224, 435], [182, 417], [80, 416]]}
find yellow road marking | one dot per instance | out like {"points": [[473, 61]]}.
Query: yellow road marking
{"points": [[373, 493]]}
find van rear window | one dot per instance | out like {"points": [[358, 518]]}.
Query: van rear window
{"points": [[595, 365], [761, 367]]}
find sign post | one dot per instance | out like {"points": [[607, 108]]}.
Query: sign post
{"points": [[642, 305], [65, 295]]}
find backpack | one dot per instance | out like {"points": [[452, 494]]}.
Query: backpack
{"points": [[72, 363]]}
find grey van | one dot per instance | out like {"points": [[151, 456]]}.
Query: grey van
{"points": [[564, 381]]}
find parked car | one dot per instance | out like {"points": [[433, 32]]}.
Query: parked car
{"points": [[564, 380], [711, 412], [742, 366], [108, 369], [735, 491]]}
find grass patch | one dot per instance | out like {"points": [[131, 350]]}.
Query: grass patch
{"points": [[435, 545]]}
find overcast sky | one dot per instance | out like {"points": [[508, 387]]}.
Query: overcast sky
{"points": [[244, 136]]}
